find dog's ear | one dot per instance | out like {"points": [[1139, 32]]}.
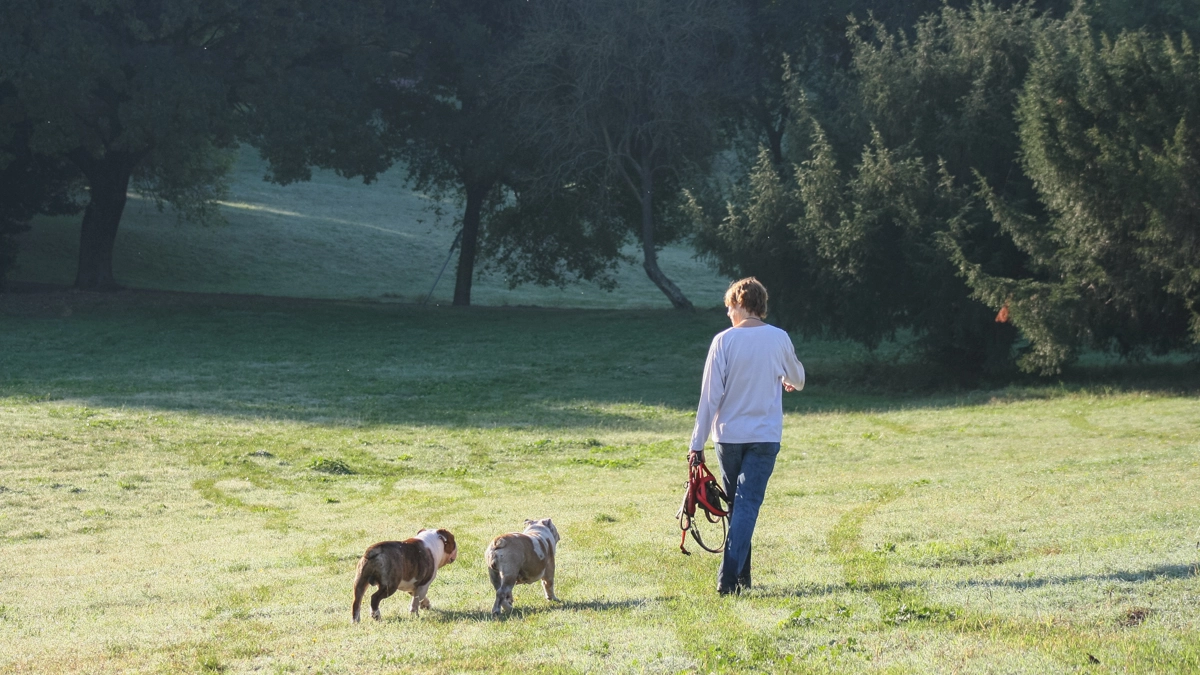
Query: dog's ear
{"points": [[421, 530], [529, 522]]}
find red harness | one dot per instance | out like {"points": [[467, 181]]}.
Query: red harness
{"points": [[703, 491]]}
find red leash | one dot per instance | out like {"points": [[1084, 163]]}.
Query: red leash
{"points": [[705, 492]]}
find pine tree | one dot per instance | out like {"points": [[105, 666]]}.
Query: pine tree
{"points": [[1109, 136]]}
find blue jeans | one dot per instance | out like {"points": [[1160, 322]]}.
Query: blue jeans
{"points": [[745, 469]]}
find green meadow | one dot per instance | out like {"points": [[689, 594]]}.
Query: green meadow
{"points": [[187, 479], [186, 483]]}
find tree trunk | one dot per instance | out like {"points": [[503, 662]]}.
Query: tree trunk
{"points": [[108, 183], [649, 254], [476, 191], [775, 140]]}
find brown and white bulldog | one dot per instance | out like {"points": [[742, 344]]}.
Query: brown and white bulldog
{"points": [[408, 565], [522, 558]]}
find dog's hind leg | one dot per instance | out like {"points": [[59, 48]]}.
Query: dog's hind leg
{"points": [[504, 596], [359, 589], [361, 582], [548, 581], [378, 596], [497, 582], [506, 592]]}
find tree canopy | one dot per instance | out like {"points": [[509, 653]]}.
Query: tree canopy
{"points": [[1109, 137], [30, 183], [847, 230], [1009, 182], [122, 88], [154, 94], [451, 122], [1001, 181], [623, 98]]}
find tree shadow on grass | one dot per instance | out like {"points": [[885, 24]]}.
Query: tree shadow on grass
{"points": [[364, 364], [1168, 571], [817, 590]]}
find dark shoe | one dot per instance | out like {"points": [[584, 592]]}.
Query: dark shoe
{"points": [[725, 590], [744, 582]]}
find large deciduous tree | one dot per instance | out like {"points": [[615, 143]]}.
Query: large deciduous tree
{"points": [[622, 98], [118, 86], [448, 116], [30, 184], [415, 85], [156, 93]]}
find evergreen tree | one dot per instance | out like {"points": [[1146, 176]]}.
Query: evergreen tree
{"points": [[1110, 135], [1156, 17], [851, 234]]}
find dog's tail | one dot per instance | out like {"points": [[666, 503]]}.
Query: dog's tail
{"points": [[492, 557], [361, 580]]}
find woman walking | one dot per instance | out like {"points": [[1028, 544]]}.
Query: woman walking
{"points": [[741, 405]]}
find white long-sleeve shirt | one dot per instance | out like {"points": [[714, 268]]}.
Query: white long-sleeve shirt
{"points": [[741, 397]]}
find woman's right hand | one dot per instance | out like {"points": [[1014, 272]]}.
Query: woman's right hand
{"points": [[695, 458]]}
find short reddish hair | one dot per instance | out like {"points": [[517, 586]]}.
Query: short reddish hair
{"points": [[750, 295]]}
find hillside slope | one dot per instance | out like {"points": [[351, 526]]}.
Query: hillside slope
{"points": [[328, 238]]}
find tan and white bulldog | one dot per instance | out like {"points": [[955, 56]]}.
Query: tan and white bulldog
{"points": [[410, 565], [522, 558]]}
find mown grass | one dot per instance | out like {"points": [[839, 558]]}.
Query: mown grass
{"points": [[186, 483], [328, 238]]}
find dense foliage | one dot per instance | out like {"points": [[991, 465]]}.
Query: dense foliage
{"points": [[847, 231], [30, 183], [1109, 137], [1002, 183], [622, 98], [123, 91], [1009, 182]]}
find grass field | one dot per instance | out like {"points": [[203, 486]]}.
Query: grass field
{"points": [[186, 483], [327, 238]]}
